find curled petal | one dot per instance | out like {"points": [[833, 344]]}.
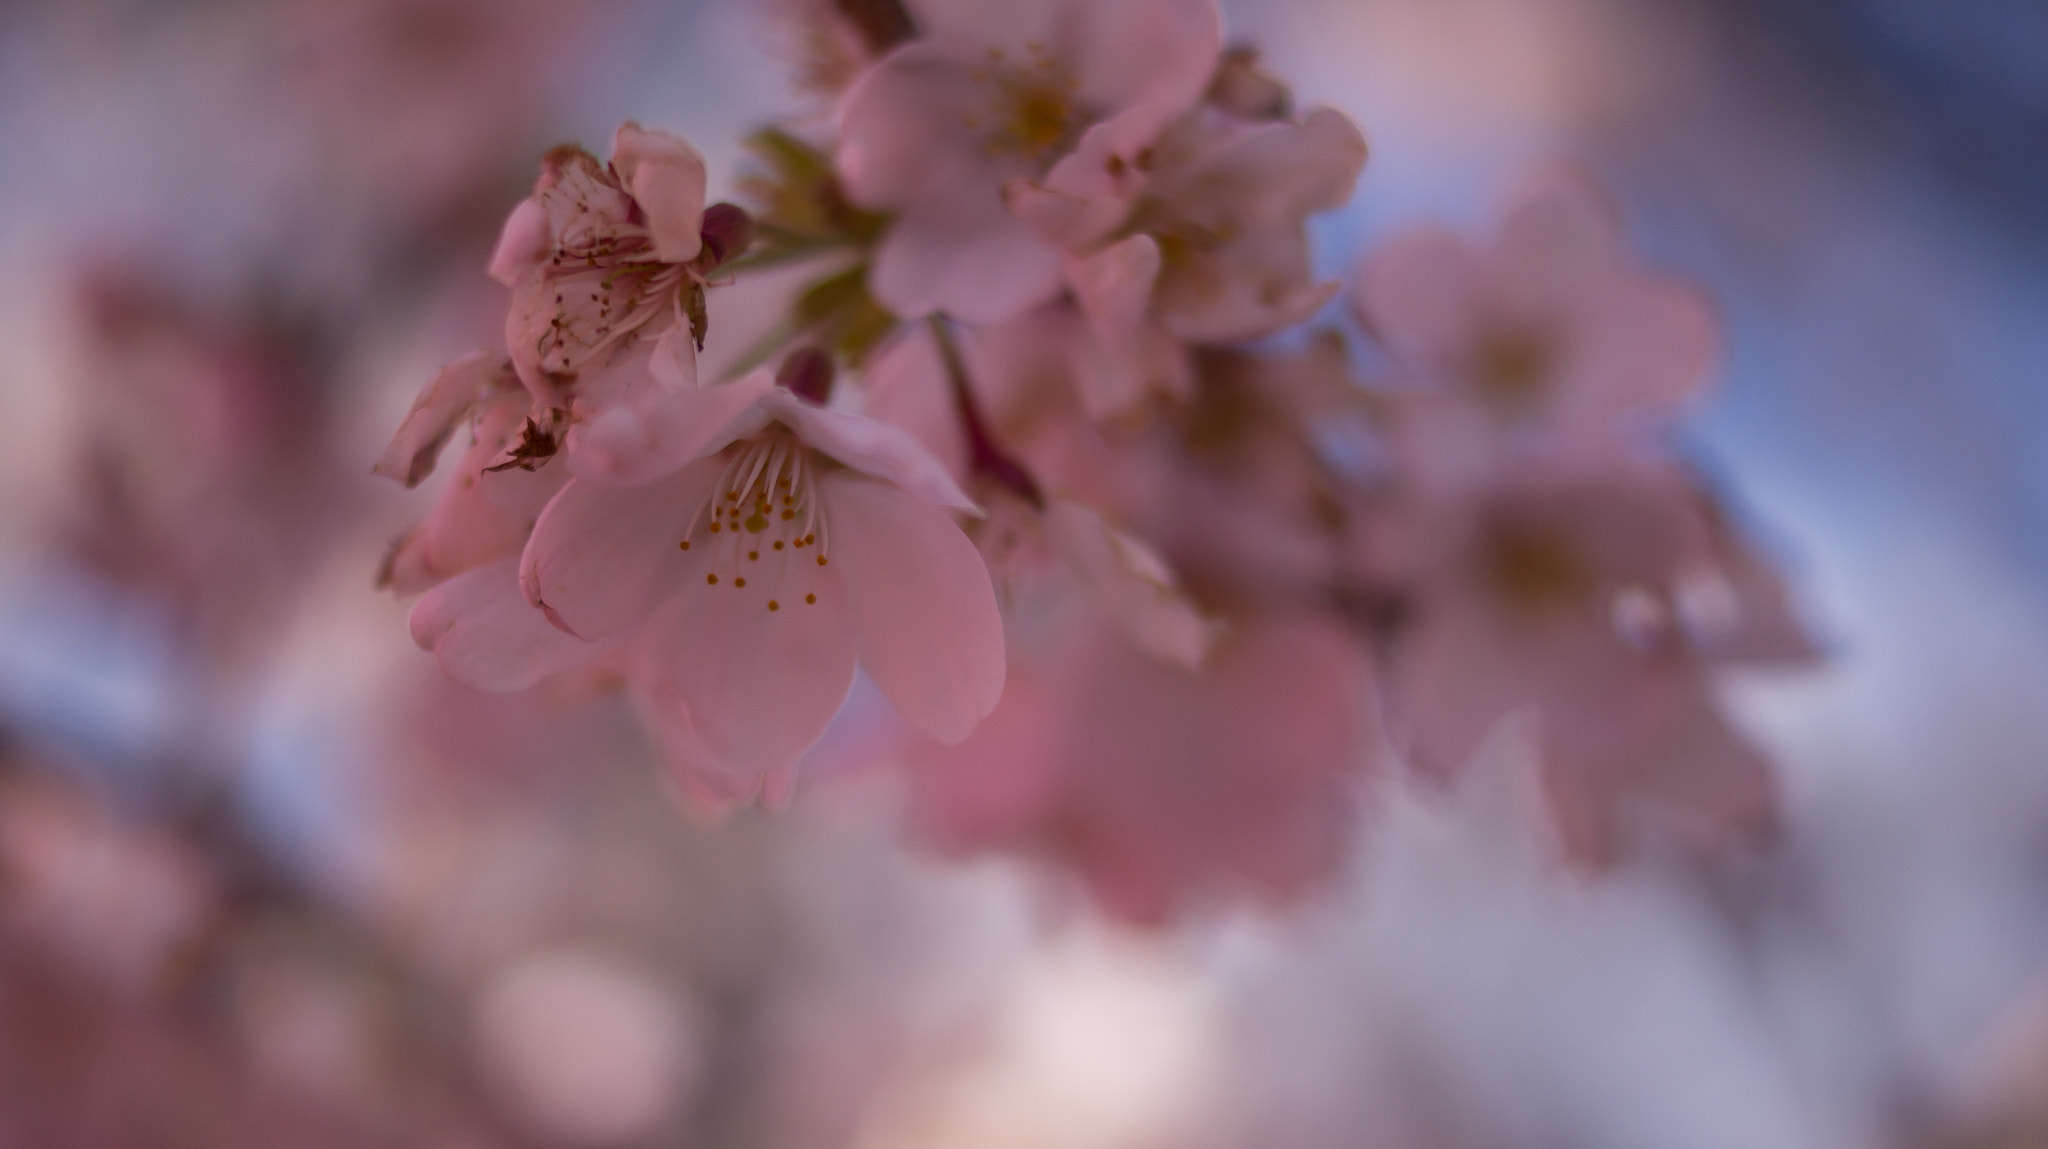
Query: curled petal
{"points": [[523, 244], [873, 447], [666, 177], [661, 430], [442, 405], [921, 606], [486, 636], [600, 554]]}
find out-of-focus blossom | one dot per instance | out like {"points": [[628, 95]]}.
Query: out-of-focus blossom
{"points": [[1550, 338], [1602, 600], [1164, 786], [992, 93], [786, 542], [1219, 207], [830, 42]]}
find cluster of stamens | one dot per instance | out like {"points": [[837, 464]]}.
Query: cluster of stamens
{"points": [[629, 289], [1036, 113], [763, 514]]}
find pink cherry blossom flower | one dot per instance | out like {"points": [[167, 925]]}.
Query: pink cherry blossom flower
{"points": [[1224, 204], [606, 263], [1551, 335], [1160, 785], [1603, 600], [787, 542], [994, 92]]}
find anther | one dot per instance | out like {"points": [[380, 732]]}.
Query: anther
{"points": [[740, 581], [821, 560], [712, 579], [773, 605], [715, 528], [778, 544], [686, 544], [811, 598], [754, 556]]}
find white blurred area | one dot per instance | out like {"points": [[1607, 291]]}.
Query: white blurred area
{"points": [[622, 976]]}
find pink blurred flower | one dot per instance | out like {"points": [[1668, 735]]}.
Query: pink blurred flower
{"points": [[785, 542], [1162, 785], [1550, 337], [1603, 600], [1216, 210], [994, 92]]}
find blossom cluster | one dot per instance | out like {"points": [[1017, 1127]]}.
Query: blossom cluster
{"points": [[1159, 579]]}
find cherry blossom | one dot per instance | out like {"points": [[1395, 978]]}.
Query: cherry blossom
{"points": [[1603, 600], [994, 92], [607, 263], [1550, 337], [788, 542]]}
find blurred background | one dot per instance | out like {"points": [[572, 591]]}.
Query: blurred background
{"points": [[267, 879]]}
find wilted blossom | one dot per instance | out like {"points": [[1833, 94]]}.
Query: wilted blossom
{"points": [[783, 542], [606, 262], [1603, 601], [994, 92]]}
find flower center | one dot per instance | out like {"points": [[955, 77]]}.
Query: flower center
{"points": [[1035, 115], [763, 522], [1512, 367], [607, 288]]}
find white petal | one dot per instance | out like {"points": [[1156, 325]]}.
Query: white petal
{"points": [[922, 608], [442, 405], [874, 447], [600, 556], [486, 636]]}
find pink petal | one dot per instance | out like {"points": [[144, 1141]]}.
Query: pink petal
{"points": [[1114, 285], [904, 136], [907, 388], [666, 177], [523, 244], [661, 430], [442, 405], [870, 446], [973, 261], [486, 636], [923, 610], [601, 555], [1419, 294], [1141, 51], [761, 684], [1132, 583]]}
